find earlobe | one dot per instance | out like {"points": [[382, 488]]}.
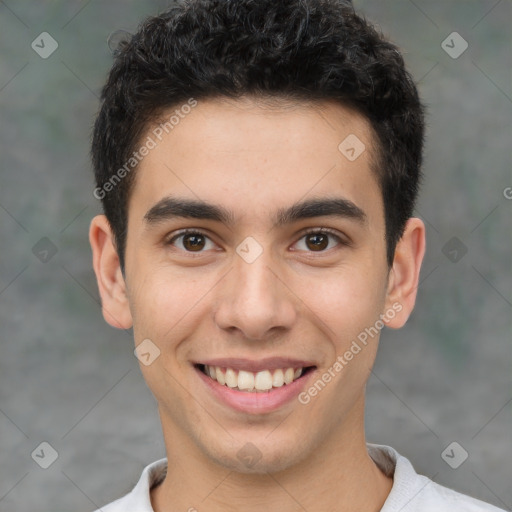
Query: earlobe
{"points": [[404, 275], [111, 283]]}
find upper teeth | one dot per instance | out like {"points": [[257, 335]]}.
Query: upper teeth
{"points": [[249, 381]]}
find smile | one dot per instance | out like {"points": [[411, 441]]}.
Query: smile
{"points": [[260, 391], [252, 382]]}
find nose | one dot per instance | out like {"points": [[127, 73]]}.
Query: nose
{"points": [[254, 299]]}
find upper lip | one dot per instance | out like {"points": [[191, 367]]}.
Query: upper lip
{"points": [[269, 363]]}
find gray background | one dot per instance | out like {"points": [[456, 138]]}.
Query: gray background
{"points": [[69, 379]]}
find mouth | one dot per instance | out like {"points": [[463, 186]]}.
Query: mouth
{"points": [[256, 388], [263, 381]]}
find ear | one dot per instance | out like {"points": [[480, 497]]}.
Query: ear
{"points": [[404, 274], [111, 284]]}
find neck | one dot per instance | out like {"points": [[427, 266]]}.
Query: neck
{"points": [[337, 474]]}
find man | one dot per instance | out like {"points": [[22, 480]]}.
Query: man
{"points": [[258, 164]]}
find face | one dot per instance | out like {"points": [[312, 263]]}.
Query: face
{"points": [[283, 266]]}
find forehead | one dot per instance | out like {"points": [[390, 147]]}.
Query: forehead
{"points": [[255, 156]]}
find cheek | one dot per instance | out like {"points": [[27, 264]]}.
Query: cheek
{"points": [[169, 305], [160, 300], [346, 303]]}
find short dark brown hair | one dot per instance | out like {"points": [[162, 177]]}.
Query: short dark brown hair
{"points": [[289, 49]]}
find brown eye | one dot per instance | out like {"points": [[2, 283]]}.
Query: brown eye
{"points": [[317, 241], [191, 241]]}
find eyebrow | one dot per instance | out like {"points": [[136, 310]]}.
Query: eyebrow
{"points": [[174, 207]]}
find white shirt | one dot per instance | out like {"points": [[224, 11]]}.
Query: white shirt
{"points": [[411, 492]]}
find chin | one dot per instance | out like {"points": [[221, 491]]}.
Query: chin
{"points": [[259, 457]]}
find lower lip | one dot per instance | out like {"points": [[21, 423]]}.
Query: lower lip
{"points": [[257, 402]]}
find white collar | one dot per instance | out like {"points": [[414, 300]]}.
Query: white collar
{"points": [[410, 491]]}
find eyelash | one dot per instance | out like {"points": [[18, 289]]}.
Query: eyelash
{"points": [[319, 231]]}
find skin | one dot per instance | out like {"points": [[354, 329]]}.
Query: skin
{"points": [[293, 300]]}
